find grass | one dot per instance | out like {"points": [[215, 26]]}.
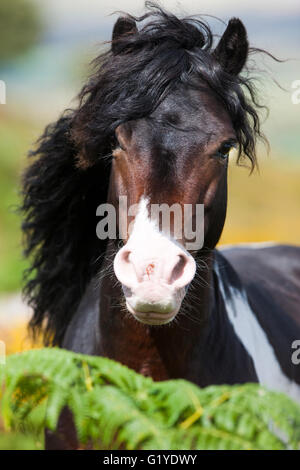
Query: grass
{"points": [[19, 441], [16, 137]]}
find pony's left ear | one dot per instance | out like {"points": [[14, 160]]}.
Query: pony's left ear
{"points": [[232, 50], [123, 27]]}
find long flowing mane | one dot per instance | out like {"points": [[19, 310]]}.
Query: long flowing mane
{"points": [[69, 175]]}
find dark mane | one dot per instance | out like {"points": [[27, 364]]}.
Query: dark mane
{"points": [[165, 53], [59, 227], [69, 176]]}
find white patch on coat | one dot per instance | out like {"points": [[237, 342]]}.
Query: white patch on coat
{"points": [[256, 342], [253, 245]]}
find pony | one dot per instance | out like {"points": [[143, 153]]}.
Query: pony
{"points": [[155, 123]]}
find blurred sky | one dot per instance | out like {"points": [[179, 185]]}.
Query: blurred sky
{"points": [[81, 9], [43, 83], [79, 18]]}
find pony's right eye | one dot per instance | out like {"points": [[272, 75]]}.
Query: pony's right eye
{"points": [[116, 144], [118, 149], [120, 146]]}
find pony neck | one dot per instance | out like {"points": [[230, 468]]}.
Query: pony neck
{"points": [[200, 344], [178, 350]]}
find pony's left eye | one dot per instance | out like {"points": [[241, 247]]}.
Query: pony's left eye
{"points": [[224, 149]]}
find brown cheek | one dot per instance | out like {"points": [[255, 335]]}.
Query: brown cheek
{"points": [[214, 177], [210, 194], [121, 174], [127, 182], [212, 174], [118, 188]]}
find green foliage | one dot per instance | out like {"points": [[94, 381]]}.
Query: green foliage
{"points": [[18, 441], [16, 137], [115, 407], [19, 27]]}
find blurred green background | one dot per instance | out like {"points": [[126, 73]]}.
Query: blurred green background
{"points": [[45, 50]]}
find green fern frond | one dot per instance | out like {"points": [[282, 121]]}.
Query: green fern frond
{"points": [[114, 407]]}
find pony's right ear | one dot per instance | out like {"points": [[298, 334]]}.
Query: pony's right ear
{"points": [[123, 27]]}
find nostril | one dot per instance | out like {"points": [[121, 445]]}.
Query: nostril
{"points": [[124, 268], [125, 256], [178, 268], [183, 271]]}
